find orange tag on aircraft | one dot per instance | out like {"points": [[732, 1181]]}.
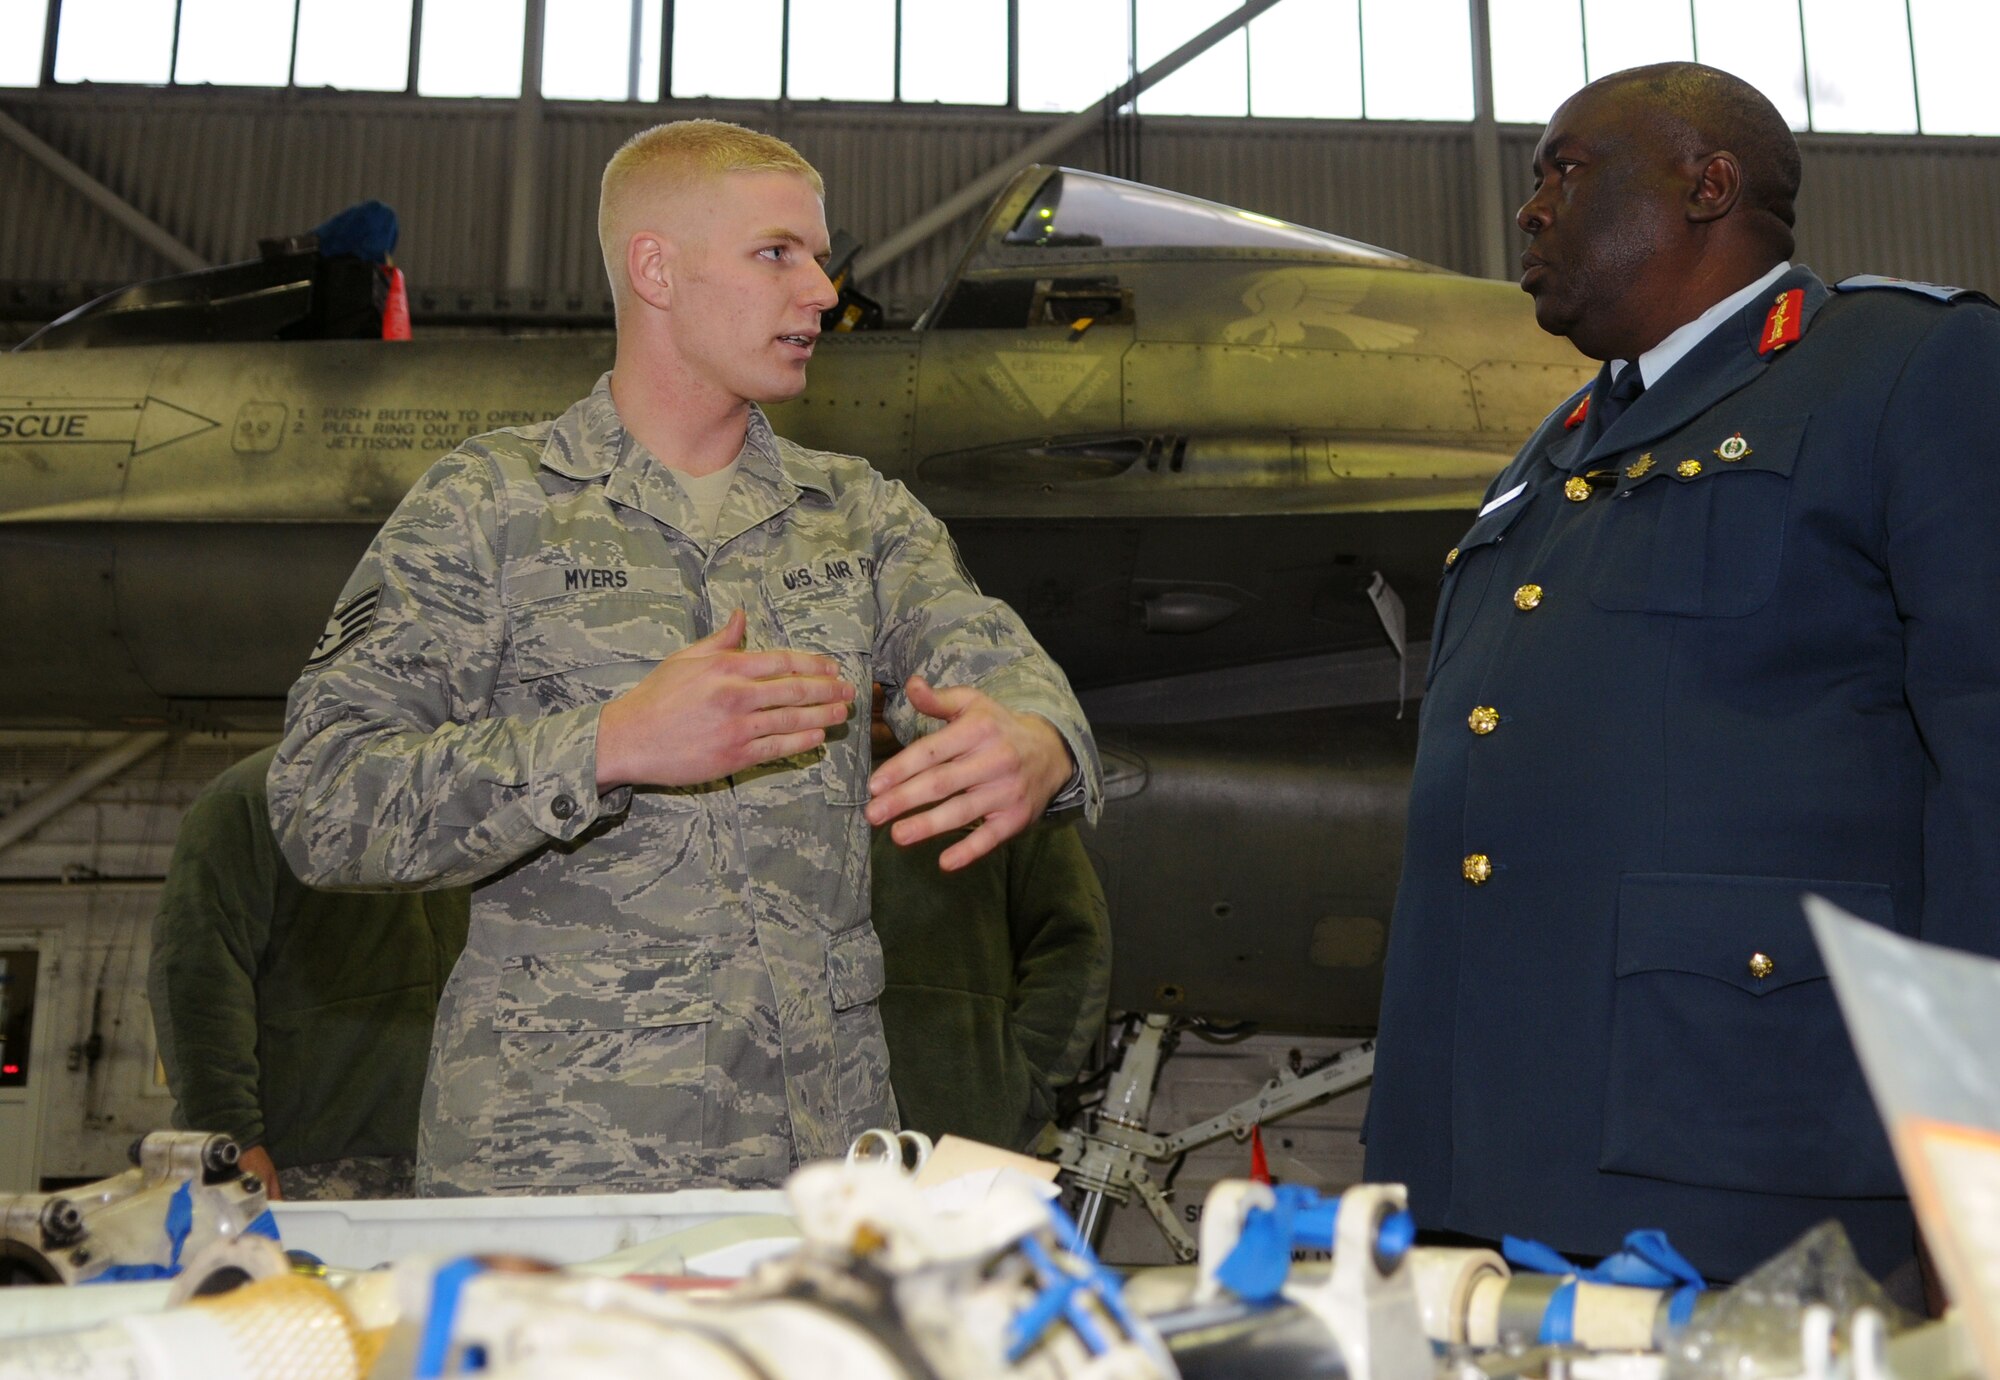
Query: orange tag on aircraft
{"points": [[1782, 326], [1575, 419]]}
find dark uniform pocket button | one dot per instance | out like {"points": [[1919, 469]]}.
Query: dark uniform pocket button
{"points": [[562, 807]]}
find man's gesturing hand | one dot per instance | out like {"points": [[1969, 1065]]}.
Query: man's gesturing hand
{"points": [[711, 709], [988, 766]]}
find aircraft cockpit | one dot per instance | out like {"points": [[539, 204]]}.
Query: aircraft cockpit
{"points": [[1052, 220]]}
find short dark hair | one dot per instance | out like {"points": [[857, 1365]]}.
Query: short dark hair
{"points": [[1703, 109]]}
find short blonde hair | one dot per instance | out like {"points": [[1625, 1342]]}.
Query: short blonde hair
{"points": [[669, 157]]}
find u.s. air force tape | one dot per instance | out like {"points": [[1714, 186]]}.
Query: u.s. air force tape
{"points": [[348, 623]]}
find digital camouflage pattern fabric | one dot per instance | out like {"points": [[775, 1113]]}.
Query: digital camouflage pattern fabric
{"points": [[357, 1176], [663, 987]]}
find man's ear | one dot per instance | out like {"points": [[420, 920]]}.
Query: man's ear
{"points": [[648, 265], [1718, 186]]}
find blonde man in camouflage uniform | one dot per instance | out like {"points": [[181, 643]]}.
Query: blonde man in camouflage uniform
{"points": [[607, 666]]}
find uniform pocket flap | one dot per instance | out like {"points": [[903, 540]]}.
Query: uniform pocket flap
{"points": [[1749, 932], [854, 968], [572, 632], [637, 989], [825, 617], [1490, 528], [1710, 448]]}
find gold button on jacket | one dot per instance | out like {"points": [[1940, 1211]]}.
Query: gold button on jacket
{"points": [[1761, 966], [1477, 868], [1483, 719], [1528, 597], [1577, 489]]}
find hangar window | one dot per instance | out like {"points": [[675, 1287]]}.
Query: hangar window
{"points": [[1216, 83], [954, 50], [1416, 60], [471, 47], [1860, 66], [601, 50], [1305, 61], [353, 45], [1758, 40], [233, 43], [734, 52], [22, 26], [1952, 46], [116, 40], [841, 50], [1072, 51]]}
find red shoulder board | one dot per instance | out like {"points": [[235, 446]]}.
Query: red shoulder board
{"points": [[1575, 419], [1782, 326]]}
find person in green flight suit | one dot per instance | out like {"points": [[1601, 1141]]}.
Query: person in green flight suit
{"points": [[296, 1021], [998, 976]]}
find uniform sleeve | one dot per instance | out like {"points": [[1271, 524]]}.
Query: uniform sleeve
{"points": [[935, 623], [1061, 932], [391, 772], [209, 937], [1939, 449]]}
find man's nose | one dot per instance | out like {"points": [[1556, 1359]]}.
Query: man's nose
{"points": [[1533, 217], [820, 291]]}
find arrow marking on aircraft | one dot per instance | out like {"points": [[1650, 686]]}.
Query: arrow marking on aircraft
{"points": [[143, 425], [1047, 381]]}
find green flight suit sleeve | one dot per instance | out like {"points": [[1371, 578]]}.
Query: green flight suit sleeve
{"points": [[1061, 936], [208, 940]]}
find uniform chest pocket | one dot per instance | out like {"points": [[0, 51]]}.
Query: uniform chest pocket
{"points": [[1468, 570], [1695, 532], [837, 621], [580, 646]]}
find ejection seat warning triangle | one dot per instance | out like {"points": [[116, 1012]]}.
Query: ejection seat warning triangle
{"points": [[141, 424]]}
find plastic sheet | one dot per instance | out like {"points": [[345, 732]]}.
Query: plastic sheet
{"points": [[1755, 1329]]}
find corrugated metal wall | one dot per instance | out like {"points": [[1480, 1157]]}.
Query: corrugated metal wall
{"points": [[220, 169]]}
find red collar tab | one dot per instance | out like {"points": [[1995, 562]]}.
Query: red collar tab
{"points": [[1783, 325], [1575, 419]]}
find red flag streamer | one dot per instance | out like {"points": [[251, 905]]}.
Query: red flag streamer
{"points": [[1260, 1168]]}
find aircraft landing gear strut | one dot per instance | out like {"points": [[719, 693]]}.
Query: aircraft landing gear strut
{"points": [[1109, 1160]]}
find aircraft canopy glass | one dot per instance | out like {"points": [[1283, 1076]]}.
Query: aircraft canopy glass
{"points": [[1079, 210]]}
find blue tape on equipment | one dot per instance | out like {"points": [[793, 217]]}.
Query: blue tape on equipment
{"points": [[1559, 1318], [434, 1345]]}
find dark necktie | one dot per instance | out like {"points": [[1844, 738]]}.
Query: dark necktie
{"points": [[1621, 395]]}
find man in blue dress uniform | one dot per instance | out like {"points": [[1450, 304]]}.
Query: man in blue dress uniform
{"points": [[1722, 634]]}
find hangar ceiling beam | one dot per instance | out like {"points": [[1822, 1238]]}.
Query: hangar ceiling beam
{"points": [[24, 819], [524, 206], [980, 190], [1488, 201], [144, 228]]}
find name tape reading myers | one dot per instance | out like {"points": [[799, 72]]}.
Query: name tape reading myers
{"points": [[260, 427]]}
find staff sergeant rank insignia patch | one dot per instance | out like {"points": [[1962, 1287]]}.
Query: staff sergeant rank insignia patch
{"points": [[345, 628]]}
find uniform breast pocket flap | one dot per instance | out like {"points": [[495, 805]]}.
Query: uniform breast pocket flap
{"points": [[836, 620], [1730, 1066], [1468, 569], [562, 631], [1698, 524]]}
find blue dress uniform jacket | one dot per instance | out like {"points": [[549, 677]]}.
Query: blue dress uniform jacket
{"points": [[1752, 654]]}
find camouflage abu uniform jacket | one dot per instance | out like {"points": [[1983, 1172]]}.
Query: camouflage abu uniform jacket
{"points": [[662, 987]]}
